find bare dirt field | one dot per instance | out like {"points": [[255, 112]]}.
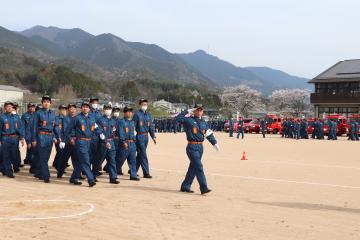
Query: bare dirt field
{"points": [[287, 189]]}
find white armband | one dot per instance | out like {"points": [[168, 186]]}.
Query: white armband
{"points": [[208, 132]]}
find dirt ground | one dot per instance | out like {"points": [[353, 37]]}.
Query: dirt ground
{"points": [[287, 189]]}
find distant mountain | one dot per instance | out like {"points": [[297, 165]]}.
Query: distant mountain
{"points": [[44, 64], [226, 74], [279, 79], [63, 38], [109, 58], [12, 40], [221, 72], [111, 52]]}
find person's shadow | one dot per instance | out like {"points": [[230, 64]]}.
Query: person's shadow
{"points": [[309, 206]]}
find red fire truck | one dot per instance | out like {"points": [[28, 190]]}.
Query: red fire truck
{"points": [[273, 123], [246, 122]]}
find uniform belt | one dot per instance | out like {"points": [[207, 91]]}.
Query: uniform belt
{"points": [[46, 133], [192, 142], [109, 139], [85, 139], [142, 133], [9, 135], [130, 140]]}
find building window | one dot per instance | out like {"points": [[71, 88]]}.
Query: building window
{"points": [[338, 110]]}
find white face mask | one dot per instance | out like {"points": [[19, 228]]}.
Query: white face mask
{"points": [[144, 108], [13, 112], [116, 114], [108, 112], [94, 106]]}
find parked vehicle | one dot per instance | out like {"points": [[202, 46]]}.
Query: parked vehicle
{"points": [[253, 126], [273, 124]]}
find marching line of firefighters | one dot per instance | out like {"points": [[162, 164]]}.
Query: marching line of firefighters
{"points": [[90, 137], [87, 138]]}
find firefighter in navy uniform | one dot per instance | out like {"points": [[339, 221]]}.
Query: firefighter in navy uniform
{"points": [[95, 142], [126, 127], [356, 133], [59, 128], [143, 127], [43, 137], [263, 127], [240, 129], [196, 131], [231, 127], [107, 145], [11, 130], [84, 126], [116, 117], [352, 130], [68, 145], [27, 119], [17, 161]]}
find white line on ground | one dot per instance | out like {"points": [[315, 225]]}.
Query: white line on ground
{"points": [[289, 163], [265, 179], [89, 210]]}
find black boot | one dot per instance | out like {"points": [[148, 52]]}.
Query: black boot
{"points": [[75, 182], [114, 181]]}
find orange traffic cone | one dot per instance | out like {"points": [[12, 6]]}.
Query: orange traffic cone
{"points": [[244, 156]]}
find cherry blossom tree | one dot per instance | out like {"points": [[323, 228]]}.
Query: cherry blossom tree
{"points": [[295, 101], [242, 99]]}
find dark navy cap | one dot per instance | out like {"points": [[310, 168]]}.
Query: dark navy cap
{"points": [[85, 103], [8, 103], [94, 99], [116, 109], [62, 106], [127, 109], [142, 101], [71, 105], [107, 106], [46, 97], [31, 105], [198, 106]]}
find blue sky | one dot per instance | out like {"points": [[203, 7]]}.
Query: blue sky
{"points": [[302, 37]]}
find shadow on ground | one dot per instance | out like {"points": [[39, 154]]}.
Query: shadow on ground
{"points": [[308, 206]]}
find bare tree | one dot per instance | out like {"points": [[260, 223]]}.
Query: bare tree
{"points": [[66, 94]]}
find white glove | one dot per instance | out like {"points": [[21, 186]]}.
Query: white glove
{"points": [[102, 136], [217, 147], [96, 126], [62, 145], [208, 133]]}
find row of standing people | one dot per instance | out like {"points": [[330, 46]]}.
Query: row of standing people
{"points": [[298, 129]]}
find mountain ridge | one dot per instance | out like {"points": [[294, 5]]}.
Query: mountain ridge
{"points": [[109, 57]]}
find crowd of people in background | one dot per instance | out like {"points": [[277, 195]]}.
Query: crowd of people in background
{"points": [[298, 129]]}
